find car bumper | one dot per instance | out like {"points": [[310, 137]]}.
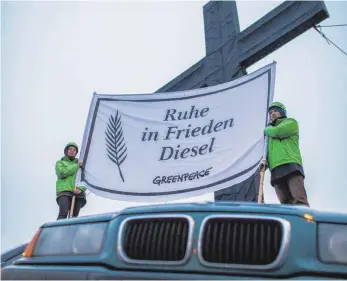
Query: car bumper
{"points": [[101, 273]]}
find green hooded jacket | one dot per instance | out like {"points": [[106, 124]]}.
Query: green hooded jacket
{"points": [[66, 170], [283, 145]]}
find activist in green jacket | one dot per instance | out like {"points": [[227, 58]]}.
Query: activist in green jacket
{"points": [[283, 146], [66, 169], [284, 156]]}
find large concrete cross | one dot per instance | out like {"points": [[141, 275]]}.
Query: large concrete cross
{"points": [[229, 52]]}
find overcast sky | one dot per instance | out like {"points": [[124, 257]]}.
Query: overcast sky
{"points": [[56, 54]]}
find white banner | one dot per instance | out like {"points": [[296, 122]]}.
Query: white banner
{"points": [[169, 146]]}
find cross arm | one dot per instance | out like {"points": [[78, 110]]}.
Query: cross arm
{"points": [[278, 27], [206, 72], [185, 80]]}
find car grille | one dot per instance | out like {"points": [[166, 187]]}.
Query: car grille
{"points": [[156, 238], [241, 241]]}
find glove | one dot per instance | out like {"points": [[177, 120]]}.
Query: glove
{"points": [[262, 166]]}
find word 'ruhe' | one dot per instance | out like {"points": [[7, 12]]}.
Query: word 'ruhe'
{"points": [[173, 114]]}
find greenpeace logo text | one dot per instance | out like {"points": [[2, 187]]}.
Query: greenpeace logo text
{"points": [[181, 178]]}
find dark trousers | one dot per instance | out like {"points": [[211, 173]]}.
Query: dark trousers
{"points": [[64, 202], [291, 190]]}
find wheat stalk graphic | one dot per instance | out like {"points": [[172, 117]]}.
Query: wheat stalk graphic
{"points": [[115, 144]]}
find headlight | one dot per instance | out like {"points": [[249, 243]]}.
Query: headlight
{"points": [[332, 243], [77, 239]]}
